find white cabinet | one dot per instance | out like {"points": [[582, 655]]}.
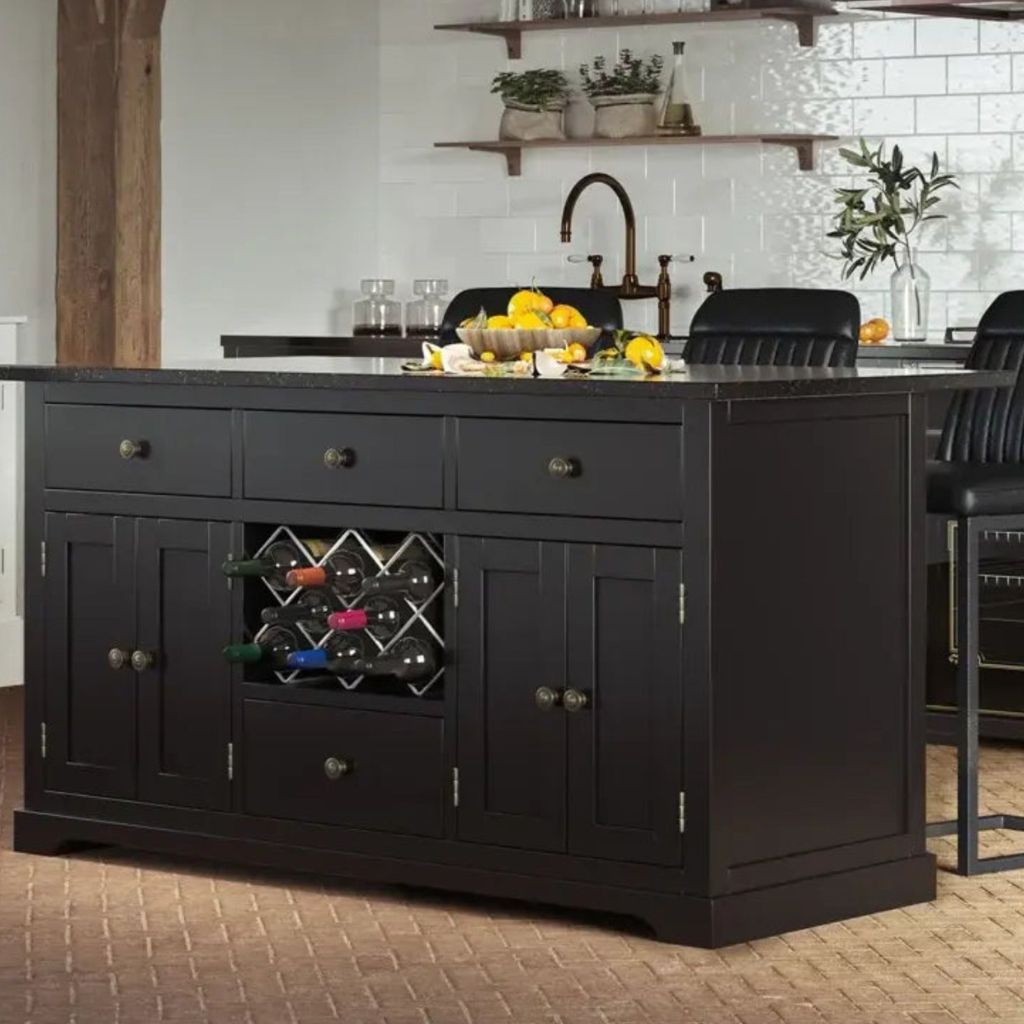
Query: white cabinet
{"points": [[11, 497]]}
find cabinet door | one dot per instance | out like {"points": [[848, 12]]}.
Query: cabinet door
{"points": [[511, 754], [184, 609], [625, 745], [90, 706]]}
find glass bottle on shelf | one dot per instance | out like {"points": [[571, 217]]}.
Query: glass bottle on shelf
{"points": [[425, 314], [345, 652], [676, 109], [378, 315], [410, 660], [412, 578], [381, 617], [274, 647], [343, 573]]}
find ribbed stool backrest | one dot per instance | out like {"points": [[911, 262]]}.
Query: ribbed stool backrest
{"points": [[988, 425], [775, 327]]}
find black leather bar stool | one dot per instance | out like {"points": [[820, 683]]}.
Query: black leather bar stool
{"points": [[602, 309], [978, 481], [775, 327]]}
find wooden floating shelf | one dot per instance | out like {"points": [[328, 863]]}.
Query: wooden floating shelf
{"points": [[512, 149], [512, 31], [977, 10]]}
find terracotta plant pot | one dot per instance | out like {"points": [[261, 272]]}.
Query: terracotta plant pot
{"points": [[622, 117], [527, 123]]}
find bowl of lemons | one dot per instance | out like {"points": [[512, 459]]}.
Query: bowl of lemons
{"points": [[532, 323]]}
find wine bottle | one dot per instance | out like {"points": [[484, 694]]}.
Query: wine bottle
{"points": [[344, 572], [273, 648], [381, 617], [274, 564], [414, 579], [311, 608], [347, 650]]}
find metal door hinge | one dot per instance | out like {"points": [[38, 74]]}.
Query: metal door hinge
{"points": [[42, 740], [42, 559], [682, 812], [455, 787], [455, 588], [230, 579], [231, 762], [682, 604]]}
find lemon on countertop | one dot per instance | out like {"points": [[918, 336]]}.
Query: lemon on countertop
{"points": [[645, 351]]}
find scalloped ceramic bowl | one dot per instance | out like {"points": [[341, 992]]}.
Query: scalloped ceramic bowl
{"points": [[508, 344]]}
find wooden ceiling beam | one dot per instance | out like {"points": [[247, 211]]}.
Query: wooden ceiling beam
{"points": [[108, 236]]}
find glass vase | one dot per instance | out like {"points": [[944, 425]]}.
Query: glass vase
{"points": [[910, 288]]}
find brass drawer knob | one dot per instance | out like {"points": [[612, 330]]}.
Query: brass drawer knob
{"points": [[339, 458], [143, 661], [337, 767], [563, 469], [133, 449], [575, 701], [117, 658], [547, 699]]}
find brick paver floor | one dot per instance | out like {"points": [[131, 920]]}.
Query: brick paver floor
{"points": [[123, 938]]}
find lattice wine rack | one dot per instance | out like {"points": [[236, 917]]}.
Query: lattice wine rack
{"points": [[380, 553]]}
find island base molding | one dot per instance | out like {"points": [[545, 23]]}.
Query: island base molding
{"points": [[709, 923]]}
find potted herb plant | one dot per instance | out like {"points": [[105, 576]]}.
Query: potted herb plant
{"points": [[624, 96], [879, 221], [534, 104]]}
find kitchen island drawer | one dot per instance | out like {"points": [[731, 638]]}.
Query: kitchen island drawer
{"points": [[361, 769], [335, 457], [138, 449], [619, 471]]}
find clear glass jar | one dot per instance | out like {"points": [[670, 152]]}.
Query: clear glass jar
{"points": [[910, 290], [677, 116], [424, 315], [378, 315]]}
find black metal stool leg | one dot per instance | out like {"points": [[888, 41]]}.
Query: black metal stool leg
{"points": [[968, 824]]}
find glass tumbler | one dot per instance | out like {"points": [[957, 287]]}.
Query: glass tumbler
{"points": [[425, 314], [378, 315]]}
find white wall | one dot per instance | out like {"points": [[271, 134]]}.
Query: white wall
{"points": [[956, 86], [270, 165], [28, 167]]}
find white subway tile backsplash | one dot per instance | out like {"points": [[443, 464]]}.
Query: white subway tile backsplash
{"points": [[947, 114], [946, 35], [915, 76], [983, 73], [949, 85]]}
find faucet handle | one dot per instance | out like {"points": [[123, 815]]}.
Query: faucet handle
{"points": [[595, 260], [664, 261]]}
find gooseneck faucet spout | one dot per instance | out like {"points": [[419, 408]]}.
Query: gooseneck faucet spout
{"points": [[630, 281]]}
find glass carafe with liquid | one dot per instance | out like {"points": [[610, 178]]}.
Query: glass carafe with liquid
{"points": [[425, 314], [378, 315], [677, 117]]}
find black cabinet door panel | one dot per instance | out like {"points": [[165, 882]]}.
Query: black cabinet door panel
{"points": [[90, 707], [184, 609], [625, 746], [511, 641]]}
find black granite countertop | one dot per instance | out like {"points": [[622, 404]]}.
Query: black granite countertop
{"points": [[373, 374]]}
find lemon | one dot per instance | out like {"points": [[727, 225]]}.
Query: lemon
{"points": [[527, 300], [577, 352], [578, 320], [487, 357], [645, 351], [499, 323], [532, 320], [563, 315], [436, 360]]}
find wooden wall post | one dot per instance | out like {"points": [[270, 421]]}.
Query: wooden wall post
{"points": [[108, 182]]}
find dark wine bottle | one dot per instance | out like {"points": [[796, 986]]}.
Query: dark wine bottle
{"points": [[344, 572], [339, 650], [274, 564], [311, 608], [273, 648], [414, 579], [381, 617]]}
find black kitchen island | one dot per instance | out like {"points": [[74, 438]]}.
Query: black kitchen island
{"points": [[651, 690]]}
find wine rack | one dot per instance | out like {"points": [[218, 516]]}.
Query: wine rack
{"points": [[381, 551]]}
